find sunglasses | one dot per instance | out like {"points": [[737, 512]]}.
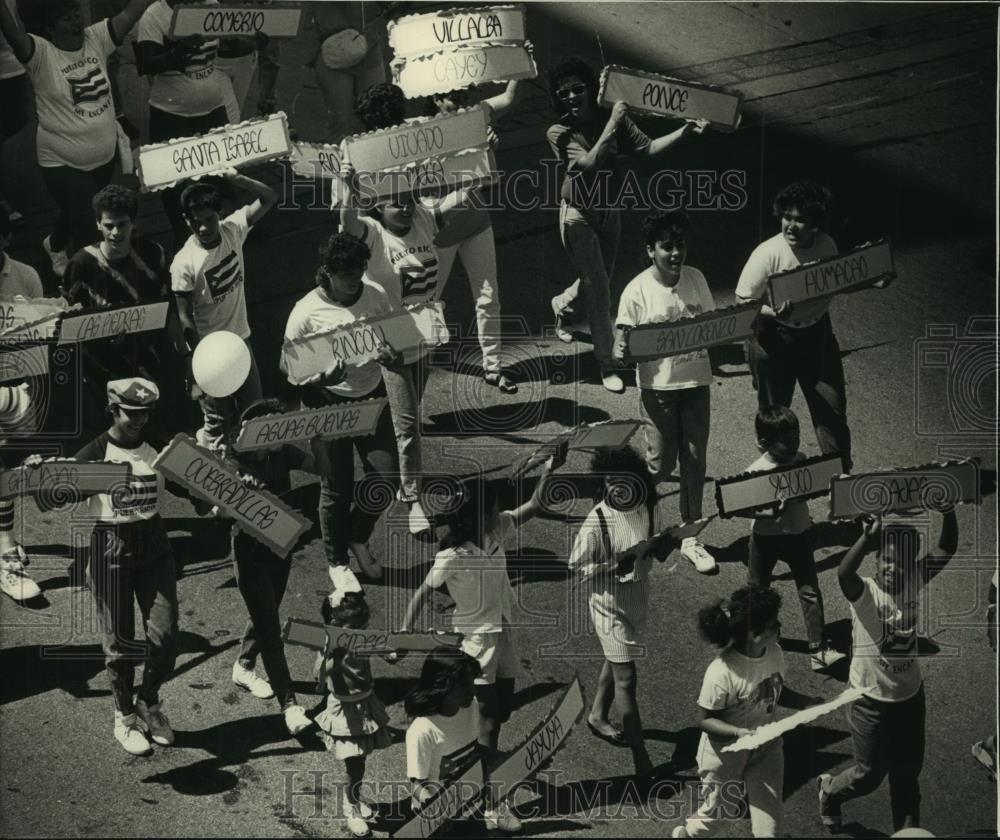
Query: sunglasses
{"points": [[575, 90]]}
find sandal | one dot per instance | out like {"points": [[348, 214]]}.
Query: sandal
{"points": [[498, 380]]}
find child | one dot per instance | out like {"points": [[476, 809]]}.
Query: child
{"points": [[675, 391], [618, 597], [739, 693], [888, 721], [354, 722], [15, 402], [783, 535], [207, 277]]}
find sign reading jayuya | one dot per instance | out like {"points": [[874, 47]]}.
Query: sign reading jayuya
{"points": [[313, 634], [161, 165], [749, 492], [360, 342], [257, 513], [709, 329], [865, 266], [434, 31], [651, 93], [446, 70], [930, 487], [62, 481], [352, 419], [108, 323], [225, 21]]}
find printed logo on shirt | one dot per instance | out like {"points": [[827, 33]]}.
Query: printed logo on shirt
{"points": [[139, 497], [899, 631], [90, 88], [766, 693], [202, 63], [418, 280], [224, 276]]}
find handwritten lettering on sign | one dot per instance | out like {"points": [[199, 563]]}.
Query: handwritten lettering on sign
{"points": [[434, 176], [930, 487], [422, 33], [448, 70], [315, 160], [222, 21], [455, 796], [108, 323], [62, 481], [353, 419], [651, 93], [15, 315], [392, 148], [257, 513], [670, 338], [807, 479], [610, 434], [23, 362], [411, 329], [161, 165], [313, 634], [861, 268]]}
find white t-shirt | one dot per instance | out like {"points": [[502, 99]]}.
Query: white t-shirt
{"points": [[141, 501], [884, 637], [477, 581], [76, 115], [437, 747], [745, 690], [405, 266], [214, 278], [646, 300], [18, 278], [314, 313], [794, 519], [10, 67], [196, 90], [774, 255]]}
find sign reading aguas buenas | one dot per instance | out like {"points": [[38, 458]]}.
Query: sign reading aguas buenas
{"points": [[353, 419]]}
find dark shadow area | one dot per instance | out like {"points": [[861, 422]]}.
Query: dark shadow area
{"points": [[685, 743], [738, 551], [500, 420], [535, 565], [529, 695]]}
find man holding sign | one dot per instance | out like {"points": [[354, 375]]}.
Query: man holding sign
{"points": [[797, 343]]}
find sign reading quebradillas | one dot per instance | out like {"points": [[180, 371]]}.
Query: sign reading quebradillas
{"points": [[685, 335], [90, 325], [928, 487], [437, 52], [753, 491], [360, 342], [257, 513], [162, 165], [651, 93], [867, 265], [227, 20], [352, 419]]}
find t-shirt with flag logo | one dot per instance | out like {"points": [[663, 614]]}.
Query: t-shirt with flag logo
{"points": [[141, 498], [405, 266], [214, 278], [196, 90], [76, 115]]}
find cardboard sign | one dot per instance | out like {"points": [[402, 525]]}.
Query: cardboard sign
{"points": [[257, 513], [394, 148], [40, 330], [224, 21], [456, 795], [930, 487], [357, 343], [651, 93], [448, 70], [607, 434], [861, 268], [315, 160], [62, 481], [432, 177], [313, 634], [424, 33], [162, 165], [15, 315], [115, 321], [20, 363], [542, 743], [671, 338], [353, 419], [749, 492]]}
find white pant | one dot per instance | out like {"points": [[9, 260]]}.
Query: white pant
{"points": [[240, 72]]}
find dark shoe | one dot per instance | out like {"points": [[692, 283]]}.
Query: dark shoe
{"points": [[498, 380]]}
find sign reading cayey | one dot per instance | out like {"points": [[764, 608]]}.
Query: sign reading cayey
{"points": [[865, 266], [353, 419], [749, 492], [709, 329], [930, 487]]}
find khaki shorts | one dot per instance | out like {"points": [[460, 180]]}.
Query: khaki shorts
{"points": [[496, 654]]}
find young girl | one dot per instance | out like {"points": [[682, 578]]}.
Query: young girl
{"points": [[354, 722], [739, 693], [618, 593]]}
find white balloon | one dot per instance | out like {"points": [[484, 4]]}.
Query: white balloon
{"points": [[221, 363]]}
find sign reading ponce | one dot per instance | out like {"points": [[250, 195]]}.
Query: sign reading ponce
{"points": [[930, 487], [651, 93], [353, 419], [670, 338], [62, 481], [108, 323], [863, 267], [161, 165], [225, 20], [743, 494], [423, 33], [258, 513]]}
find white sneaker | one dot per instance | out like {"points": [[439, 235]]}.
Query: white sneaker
{"points": [[612, 381], [695, 552], [247, 678], [60, 259], [129, 735], [369, 565], [356, 821], [820, 660], [501, 818], [155, 722], [14, 580], [419, 523], [296, 720]]}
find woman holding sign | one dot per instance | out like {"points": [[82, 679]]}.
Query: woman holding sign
{"points": [[588, 141]]}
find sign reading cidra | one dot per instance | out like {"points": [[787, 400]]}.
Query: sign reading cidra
{"points": [[709, 329], [930, 487], [257, 513], [360, 342], [806, 479], [225, 21], [865, 266], [61, 481], [367, 642], [161, 165], [651, 93], [108, 323], [353, 419]]}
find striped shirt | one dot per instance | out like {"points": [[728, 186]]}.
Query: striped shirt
{"points": [[141, 498]]}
